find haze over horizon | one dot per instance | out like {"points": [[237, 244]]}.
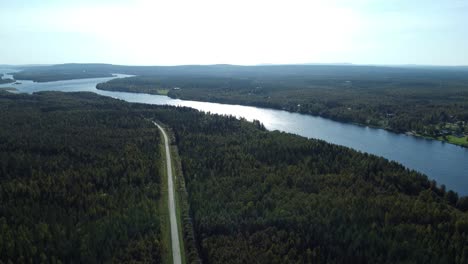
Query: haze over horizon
{"points": [[146, 32]]}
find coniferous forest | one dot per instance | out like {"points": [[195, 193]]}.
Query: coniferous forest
{"points": [[80, 181], [432, 103], [423, 101], [271, 197]]}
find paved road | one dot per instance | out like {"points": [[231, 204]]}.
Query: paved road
{"points": [[172, 211]]}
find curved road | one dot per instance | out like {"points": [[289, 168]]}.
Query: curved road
{"points": [[172, 212]]}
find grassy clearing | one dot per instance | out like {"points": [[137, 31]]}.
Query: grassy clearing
{"points": [[461, 141], [162, 91]]}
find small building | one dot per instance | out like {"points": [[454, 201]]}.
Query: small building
{"points": [[444, 132]]}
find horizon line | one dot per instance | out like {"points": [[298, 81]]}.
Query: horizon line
{"points": [[245, 65]]}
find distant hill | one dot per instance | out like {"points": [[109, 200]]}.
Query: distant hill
{"points": [[76, 71]]}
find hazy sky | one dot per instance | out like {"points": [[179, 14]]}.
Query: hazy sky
{"points": [[153, 32]]}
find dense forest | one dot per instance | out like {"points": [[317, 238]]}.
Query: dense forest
{"points": [[44, 75], [79, 181], [10, 89], [270, 197], [7, 80], [423, 101], [435, 105]]}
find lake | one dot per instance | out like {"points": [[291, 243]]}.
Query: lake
{"points": [[443, 162]]}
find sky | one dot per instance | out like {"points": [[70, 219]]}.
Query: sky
{"points": [[246, 32]]}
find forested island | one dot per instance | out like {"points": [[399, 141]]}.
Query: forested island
{"points": [[62, 72], [7, 80], [80, 182], [9, 89]]}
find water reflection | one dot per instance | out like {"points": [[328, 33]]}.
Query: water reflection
{"points": [[446, 163]]}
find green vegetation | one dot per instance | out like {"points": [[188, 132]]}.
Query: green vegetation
{"points": [[162, 91], [8, 89], [60, 73], [79, 181], [462, 141], [427, 101], [3, 81], [178, 207], [133, 88], [431, 102], [271, 197], [190, 251], [164, 212], [167, 229]]}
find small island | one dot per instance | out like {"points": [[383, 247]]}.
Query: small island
{"points": [[63, 72], [8, 89], [7, 80]]}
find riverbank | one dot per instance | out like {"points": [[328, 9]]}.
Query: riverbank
{"points": [[442, 162], [176, 94], [398, 100], [53, 77], [5, 81], [8, 89], [459, 141], [450, 139]]}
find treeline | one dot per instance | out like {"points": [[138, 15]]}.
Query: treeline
{"points": [[190, 244], [428, 101], [431, 103], [271, 197], [7, 80], [58, 76], [79, 181], [62, 72]]}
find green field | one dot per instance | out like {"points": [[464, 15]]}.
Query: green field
{"points": [[462, 141], [162, 91]]}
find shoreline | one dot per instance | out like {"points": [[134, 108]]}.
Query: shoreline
{"points": [[8, 89], [409, 133]]}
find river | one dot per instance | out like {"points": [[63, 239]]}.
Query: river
{"points": [[443, 162]]}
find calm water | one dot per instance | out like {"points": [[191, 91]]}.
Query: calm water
{"points": [[446, 163]]}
